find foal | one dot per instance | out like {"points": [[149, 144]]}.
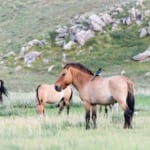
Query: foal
{"points": [[46, 93]]}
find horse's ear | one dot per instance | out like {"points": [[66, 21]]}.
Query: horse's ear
{"points": [[63, 65]]}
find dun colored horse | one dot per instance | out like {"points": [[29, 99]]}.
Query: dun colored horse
{"points": [[46, 93], [3, 90], [103, 91]]}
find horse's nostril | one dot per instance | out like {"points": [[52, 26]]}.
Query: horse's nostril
{"points": [[57, 88]]}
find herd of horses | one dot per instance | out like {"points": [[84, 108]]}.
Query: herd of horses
{"points": [[93, 91]]}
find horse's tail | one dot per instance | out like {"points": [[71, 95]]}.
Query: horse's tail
{"points": [[3, 88], [39, 102], [37, 95], [130, 97]]}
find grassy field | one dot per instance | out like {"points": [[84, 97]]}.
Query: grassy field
{"points": [[22, 129]]}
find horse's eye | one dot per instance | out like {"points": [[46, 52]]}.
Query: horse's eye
{"points": [[63, 74]]}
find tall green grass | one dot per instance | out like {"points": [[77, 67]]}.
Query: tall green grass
{"points": [[25, 130]]}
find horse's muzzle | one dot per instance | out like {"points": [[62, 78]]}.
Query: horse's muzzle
{"points": [[57, 88]]}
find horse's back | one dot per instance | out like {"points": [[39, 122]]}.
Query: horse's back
{"points": [[117, 81], [106, 90], [122, 83]]}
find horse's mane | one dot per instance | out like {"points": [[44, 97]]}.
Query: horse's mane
{"points": [[80, 67]]}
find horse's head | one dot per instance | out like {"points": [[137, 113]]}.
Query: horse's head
{"points": [[64, 79]]}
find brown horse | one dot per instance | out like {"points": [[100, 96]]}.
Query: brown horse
{"points": [[46, 93], [101, 91], [3, 90]]}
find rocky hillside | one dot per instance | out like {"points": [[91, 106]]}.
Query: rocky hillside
{"points": [[22, 21], [85, 27]]}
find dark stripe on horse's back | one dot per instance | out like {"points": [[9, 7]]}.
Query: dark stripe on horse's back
{"points": [[80, 67]]}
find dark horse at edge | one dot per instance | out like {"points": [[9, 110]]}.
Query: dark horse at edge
{"points": [[3, 90]]}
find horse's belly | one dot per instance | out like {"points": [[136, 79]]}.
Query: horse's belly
{"points": [[102, 99], [53, 98], [52, 101], [100, 94], [105, 101]]}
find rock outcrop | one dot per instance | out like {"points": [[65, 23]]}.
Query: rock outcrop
{"points": [[85, 26], [144, 56]]}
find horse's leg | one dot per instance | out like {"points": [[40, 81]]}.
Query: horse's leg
{"points": [[106, 111], [40, 109], [1, 98], [67, 103], [61, 106], [94, 116], [87, 118], [87, 115], [68, 107], [100, 108]]}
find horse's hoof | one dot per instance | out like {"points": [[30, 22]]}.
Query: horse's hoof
{"points": [[95, 127], [130, 127], [125, 127], [87, 128]]}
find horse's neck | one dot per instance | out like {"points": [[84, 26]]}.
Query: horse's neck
{"points": [[80, 79]]}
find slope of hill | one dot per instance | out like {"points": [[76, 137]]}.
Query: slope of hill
{"points": [[112, 52], [21, 21]]}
